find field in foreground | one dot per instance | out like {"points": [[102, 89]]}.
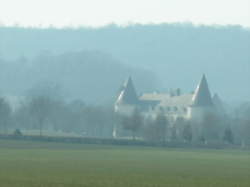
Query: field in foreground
{"points": [[35, 164]]}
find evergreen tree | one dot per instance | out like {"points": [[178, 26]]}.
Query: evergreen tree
{"points": [[133, 123], [187, 133], [228, 136]]}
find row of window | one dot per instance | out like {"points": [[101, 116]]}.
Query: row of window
{"points": [[173, 109]]}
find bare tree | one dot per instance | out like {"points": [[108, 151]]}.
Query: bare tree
{"points": [[212, 128], [22, 117], [179, 124], [5, 115], [241, 123], [39, 109], [161, 125], [133, 123], [244, 131], [187, 132], [155, 130]]}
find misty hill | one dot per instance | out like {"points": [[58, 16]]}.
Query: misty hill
{"points": [[177, 53], [92, 76]]}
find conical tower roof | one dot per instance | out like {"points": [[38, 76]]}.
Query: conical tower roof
{"points": [[127, 93], [202, 96]]}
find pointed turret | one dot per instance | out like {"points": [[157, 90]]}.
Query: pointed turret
{"points": [[202, 96], [127, 93]]}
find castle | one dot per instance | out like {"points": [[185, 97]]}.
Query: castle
{"points": [[173, 105]]}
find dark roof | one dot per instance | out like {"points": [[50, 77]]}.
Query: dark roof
{"points": [[128, 94], [202, 96]]}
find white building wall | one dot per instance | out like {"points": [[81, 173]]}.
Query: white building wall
{"points": [[198, 113], [125, 109]]}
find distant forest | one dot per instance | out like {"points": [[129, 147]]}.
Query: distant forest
{"points": [[91, 63]]}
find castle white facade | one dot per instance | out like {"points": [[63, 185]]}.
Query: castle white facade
{"points": [[175, 105]]}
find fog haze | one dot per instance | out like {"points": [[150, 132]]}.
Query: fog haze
{"points": [[92, 63]]}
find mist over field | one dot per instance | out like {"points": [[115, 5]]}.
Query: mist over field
{"points": [[92, 63]]}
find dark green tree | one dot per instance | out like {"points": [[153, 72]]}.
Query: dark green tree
{"points": [[228, 136], [187, 133], [133, 123]]}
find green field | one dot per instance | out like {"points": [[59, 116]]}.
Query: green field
{"points": [[35, 164]]}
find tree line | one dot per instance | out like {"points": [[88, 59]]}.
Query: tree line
{"points": [[44, 113], [211, 129]]}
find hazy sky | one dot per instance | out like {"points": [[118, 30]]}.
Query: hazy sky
{"points": [[101, 12]]}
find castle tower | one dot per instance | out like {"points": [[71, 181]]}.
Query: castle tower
{"points": [[127, 98], [202, 102]]}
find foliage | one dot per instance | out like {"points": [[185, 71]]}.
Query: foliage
{"points": [[228, 136], [211, 127], [44, 111], [17, 133], [133, 123], [187, 133]]}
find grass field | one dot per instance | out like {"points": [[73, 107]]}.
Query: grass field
{"points": [[36, 164]]}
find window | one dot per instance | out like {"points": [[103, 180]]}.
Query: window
{"points": [[185, 109], [161, 109]]}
